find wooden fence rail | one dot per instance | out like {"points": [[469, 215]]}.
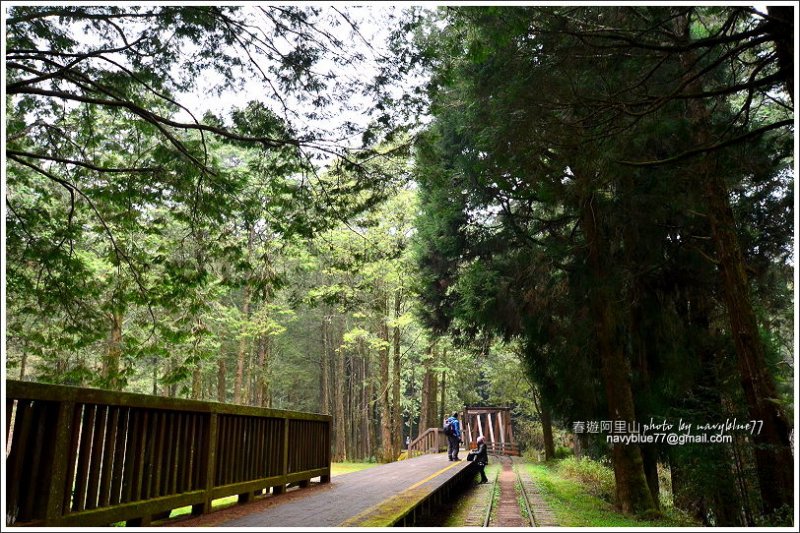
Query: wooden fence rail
{"points": [[432, 440], [89, 457]]}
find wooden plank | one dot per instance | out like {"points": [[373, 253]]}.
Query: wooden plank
{"points": [[122, 437], [131, 454], [33, 460], [149, 463], [10, 405], [252, 485], [108, 457], [260, 469], [46, 392], [15, 462], [490, 425], [285, 448], [500, 426], [126, 511], [60, 480], [191, 457], [237, 445], [209, 443], [222, 426], [93, 482], [72, 457], [84, 456], [180, 421], [170, 451], [510, 431], [480, 426], [158, 457], [141, 456]]}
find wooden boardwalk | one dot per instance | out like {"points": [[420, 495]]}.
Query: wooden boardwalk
{"points": [[384, 495]]}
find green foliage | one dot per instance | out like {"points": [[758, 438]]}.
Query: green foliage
{"points": [[574, 506], [597, 477]]}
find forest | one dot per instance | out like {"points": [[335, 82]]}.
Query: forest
{"points": [[584, 213]]}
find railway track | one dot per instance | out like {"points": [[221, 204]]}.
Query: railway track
{"points": [[519, 504], [507, 512]]}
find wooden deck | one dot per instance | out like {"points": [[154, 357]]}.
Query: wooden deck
{"points": [[385, 495]]}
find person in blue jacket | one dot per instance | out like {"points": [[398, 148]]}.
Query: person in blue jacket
{"points": [[454, 438]]}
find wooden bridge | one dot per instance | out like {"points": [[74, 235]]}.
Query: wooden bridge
{"points": [[88, 457]]}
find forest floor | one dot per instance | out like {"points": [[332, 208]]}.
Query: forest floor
{"points": [[574, 503]]}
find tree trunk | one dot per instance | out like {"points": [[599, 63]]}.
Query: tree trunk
{"points": [[650, 462], [339, 412], [197, 375], [110, 371], [221, 371], [385, 408], [23, 361], [263, 398], [433, 411], [238, 385], [633, 493], [443, 385], [681, 495], [772, 447], [243, 341], [397, 411], [547, 427], [424, 423], [325, 401], [781, 29]]}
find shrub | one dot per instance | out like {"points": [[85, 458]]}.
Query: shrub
{"points": [[563, 452], [596, 477]]}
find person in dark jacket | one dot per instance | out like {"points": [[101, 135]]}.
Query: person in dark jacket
{"points": [[482, 458], [454, 439]]}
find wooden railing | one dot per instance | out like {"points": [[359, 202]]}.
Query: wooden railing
{"points": [[84, 457], [433, 440], [498, 448]]}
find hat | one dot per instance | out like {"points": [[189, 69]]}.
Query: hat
{"points": [[481, 439]]}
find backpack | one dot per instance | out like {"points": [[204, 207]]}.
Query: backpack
{"points": [[449, 430]]}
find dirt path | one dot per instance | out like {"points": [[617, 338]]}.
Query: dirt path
{"points": [[508, 513]]}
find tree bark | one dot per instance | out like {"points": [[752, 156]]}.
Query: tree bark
{"points": [[110, 370], [324, 377], [772, 447], [397, 411], [781, 29], [547, 426], [384, 383], [197, 375], [243, 341], [238, 386], [633, 493], [338, 401], [442, 385], [221, 372], [433, 410], [263, 397], [424, 423]]}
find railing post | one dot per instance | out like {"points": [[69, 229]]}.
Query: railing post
{"points": [[54, 504], [280, 489], [327, 479], [210, 466]]}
